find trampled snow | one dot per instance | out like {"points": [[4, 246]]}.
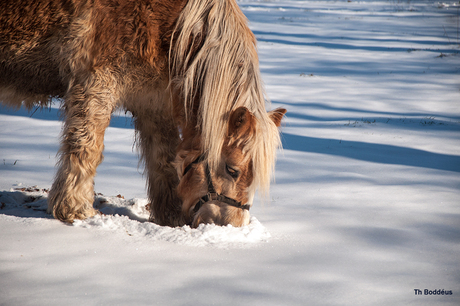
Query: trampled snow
{"points": [[130, 217], [364, 210]]}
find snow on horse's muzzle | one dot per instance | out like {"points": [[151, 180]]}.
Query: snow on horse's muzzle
{"points": [[212, 195]]}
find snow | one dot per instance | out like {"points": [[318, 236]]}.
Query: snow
{"points": [[364, 208], [130, 217]]}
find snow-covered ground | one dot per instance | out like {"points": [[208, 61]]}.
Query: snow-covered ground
{"points": [[366, 204]]}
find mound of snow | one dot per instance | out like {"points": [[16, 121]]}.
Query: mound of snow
{"points": [[131, 217]]}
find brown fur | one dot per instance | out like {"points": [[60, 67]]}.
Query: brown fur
{"points": [[241, 128], [97, 55]]}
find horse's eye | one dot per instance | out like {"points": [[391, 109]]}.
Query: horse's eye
{"points": [[232, 172]]}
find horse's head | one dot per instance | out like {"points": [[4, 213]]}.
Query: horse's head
{"points": [[221, 195]]}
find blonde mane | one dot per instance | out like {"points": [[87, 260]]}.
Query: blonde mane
{"points": [[214, 66]]}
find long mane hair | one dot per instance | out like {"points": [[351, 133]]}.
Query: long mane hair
{"points": [[214, 69]]}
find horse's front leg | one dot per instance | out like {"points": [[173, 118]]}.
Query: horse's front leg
{"points": [[87, 114], [158, 138]]}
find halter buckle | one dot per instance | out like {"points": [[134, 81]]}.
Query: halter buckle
{"points": [[213, 196]]}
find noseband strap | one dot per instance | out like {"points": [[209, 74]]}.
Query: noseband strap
{"points": [[212, 194]]}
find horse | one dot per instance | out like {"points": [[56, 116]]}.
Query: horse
{"points": [[187, 71]]}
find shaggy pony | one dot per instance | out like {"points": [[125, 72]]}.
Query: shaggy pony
{"points": [[182, 68]]}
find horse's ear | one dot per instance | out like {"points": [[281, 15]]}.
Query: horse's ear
{"points": [[276, 115], [240, 121]]}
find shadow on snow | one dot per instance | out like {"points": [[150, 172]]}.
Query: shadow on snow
{"points": [[54, 114], [372, 152]]}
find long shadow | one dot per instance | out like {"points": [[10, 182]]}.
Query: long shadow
{"points": [[313, 37], [352, 109], [402, 122], [371, 152], [54, 114], [337, 46], [408, 121], [48, 113]]}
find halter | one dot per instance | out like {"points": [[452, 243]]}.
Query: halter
{"points": [[212, 194]]}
